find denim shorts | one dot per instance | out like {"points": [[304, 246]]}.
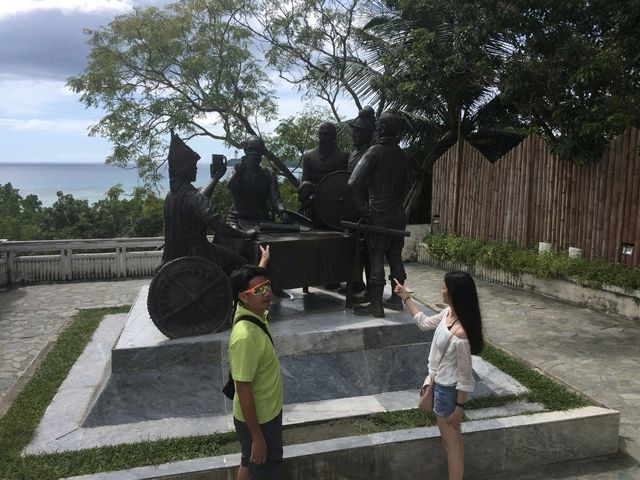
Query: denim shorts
{"points": [[444, 400]]}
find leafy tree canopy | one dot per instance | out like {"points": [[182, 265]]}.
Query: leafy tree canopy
{"points": [[189, 67], [574, 74], [487, 71]]}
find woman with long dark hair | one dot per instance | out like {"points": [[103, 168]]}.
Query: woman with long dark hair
{"points": [[457, 336]]}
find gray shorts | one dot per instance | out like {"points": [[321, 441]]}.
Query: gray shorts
{"points": [[272, 431]]}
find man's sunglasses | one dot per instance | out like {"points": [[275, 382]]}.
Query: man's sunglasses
{"points": [[260, 289]]}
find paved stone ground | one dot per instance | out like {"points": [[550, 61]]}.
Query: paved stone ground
{"points": [[31, 318], [596, 353]]}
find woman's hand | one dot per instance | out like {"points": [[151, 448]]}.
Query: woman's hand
{"points": [[265, 255], [455, 418], [400, 290]]}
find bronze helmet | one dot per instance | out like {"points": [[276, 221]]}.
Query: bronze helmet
{"points": [[365, 119]]}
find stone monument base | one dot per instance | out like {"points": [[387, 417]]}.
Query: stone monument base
{"points": [[134, 384]]}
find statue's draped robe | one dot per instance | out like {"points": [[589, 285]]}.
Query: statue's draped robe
{"points": [[187, 213]]}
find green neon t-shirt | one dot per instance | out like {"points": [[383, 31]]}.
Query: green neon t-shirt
{"points": [[253, 359]]}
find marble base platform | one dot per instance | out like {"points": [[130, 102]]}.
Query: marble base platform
{"points": [[493, 447], [133, 384]]}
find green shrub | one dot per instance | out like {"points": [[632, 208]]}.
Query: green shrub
{"points": [[515, 259]]}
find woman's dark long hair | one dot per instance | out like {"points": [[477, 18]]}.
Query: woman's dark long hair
{"points": [[463, 298]]}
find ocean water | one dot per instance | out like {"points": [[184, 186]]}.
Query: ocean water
{"points": [[88, 181]]}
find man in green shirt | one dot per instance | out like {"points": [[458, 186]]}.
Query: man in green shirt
{"points": [[255, 368]]}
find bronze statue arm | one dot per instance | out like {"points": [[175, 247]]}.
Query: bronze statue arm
{"points": [[275, 200], [358, 183], [226, 230], [205, 212], [207, 190], [218, 168]]}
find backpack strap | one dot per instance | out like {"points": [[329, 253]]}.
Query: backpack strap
{"points": [[255, 321], [230, 388]]}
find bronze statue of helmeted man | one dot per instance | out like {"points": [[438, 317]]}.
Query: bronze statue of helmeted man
{"points": [[380, 184], [363, 128], [254, 189], [188, 213], [316, 164]]}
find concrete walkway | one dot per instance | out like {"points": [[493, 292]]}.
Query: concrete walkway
{"points": [[596, 353], [31, 318]]}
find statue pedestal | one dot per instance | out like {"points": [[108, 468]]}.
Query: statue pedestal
{"points": [[133, 384]]}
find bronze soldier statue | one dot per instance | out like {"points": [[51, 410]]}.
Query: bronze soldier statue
{"points": [[254, 189], [188, 213], [379, 184], [316, 164], [363, 128]]}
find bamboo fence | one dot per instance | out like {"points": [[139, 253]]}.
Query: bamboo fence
{"points": [[530, 196]]}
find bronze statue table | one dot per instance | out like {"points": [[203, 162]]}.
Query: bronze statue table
{"points": [[192, 295], [314, 257]]}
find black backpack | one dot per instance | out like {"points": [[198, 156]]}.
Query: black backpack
{"points": [[229, 388]]}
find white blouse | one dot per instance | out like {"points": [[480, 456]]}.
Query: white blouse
{"points": [[455, 368]]}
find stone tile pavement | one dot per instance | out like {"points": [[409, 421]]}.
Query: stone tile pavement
{"points": [[596, 353], [32, 316]]}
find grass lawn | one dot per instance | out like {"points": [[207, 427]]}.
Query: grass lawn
{"points": [[20, 421]]}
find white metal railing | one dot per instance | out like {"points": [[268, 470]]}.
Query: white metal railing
{"points": [[102, 258], [59, 260]]}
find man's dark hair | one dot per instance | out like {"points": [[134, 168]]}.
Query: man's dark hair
{"points": [[241, 278]]}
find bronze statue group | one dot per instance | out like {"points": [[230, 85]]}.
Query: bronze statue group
{"points": [[378, 182]]}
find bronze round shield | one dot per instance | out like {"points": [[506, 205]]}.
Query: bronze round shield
{"points": [[189, 296], [333, 201]]}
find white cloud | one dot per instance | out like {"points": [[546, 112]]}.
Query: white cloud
{"points": [[25, 97], [40, 125], [8, 8]]}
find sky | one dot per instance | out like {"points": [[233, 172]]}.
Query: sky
{"points": [[42, 44]]}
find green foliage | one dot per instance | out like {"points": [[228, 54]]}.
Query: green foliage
{"points": [[486, 72], [542, 388], [221, 199], [289, 196], [401, 419], [452, 54], [573, 73], [295, 135], [141, 215], [312, 45], [512, 258], [19, 217]]}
